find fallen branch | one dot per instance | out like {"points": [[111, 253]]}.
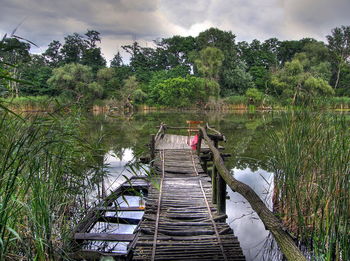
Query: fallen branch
{"points": [[271, 222]]}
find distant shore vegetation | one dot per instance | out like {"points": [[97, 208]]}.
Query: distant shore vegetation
{"points": [[211, 71]]}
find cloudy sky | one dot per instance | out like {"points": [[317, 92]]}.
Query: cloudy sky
{"points": [[122, 21]]}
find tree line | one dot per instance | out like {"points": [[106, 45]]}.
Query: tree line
{"points": [[181, 71]]}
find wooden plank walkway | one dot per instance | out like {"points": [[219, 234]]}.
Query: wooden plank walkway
{"points": [[177, 142], [180, 221]]}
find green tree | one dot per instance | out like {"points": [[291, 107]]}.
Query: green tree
{"points": [[105, 77], [83, 49], [339, 46], [36, 72], [160, 76], [143, 61], [225, 41], [294, 82], [184, 92], [93, 58], [72, 49], [237, 80], [209, 62], [14, 54], [52, 54], [175, 51], [91, 54], [260, 76], [254, 95], [258, 54], [214, 37], [344, 81], [318, 68], [131, 92], [73, 81], [287, 49], [260, 59], [117, 61]]}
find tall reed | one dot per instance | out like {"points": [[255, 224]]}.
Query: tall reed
{"points": [[311, 158], [43, 168]]}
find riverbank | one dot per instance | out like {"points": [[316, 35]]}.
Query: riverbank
{"points": [[233, 103]]}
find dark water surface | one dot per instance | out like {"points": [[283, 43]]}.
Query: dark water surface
{"points": [[246, 134]]}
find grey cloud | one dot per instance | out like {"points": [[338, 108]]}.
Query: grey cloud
{"points": [[249, 19], [315, 17], [186, 13], [121, 21], [45, 20]]}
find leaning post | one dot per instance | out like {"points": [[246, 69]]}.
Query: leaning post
{"points": [[152, 146]]}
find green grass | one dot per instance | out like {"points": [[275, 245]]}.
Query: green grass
{"points": [[311, 155], [339, 102], [32, 103]]}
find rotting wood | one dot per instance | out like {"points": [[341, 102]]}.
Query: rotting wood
{"points": [[97, 214], [186, 231], [271, 222]]}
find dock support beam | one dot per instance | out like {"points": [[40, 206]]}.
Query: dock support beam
{"points": [[213, 184], [221, 195], [219, 187]]}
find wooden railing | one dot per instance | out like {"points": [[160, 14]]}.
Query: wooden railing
{"points": [[222, 176]]}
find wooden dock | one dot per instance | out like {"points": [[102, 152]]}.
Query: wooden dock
{"points": [[184, 218], [180, 220]]}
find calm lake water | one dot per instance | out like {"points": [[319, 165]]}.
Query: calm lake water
{"points": [[124, 138]]}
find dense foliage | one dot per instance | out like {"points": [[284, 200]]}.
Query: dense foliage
{"points": [[178, 70]]}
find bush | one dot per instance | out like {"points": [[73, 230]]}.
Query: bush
{"points": [[254, 95], [183, 92], [236, 99]]}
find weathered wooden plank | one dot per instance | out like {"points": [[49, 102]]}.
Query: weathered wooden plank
{"points": [[120, 209], [119, 220], [186, 215], [104, 237]]}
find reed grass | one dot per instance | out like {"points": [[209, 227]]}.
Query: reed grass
{"points": [[43, 170], [311, 159]]}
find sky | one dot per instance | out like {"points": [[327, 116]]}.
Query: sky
{"points": [[120, 22]]}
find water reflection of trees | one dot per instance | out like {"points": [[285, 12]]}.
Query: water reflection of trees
{"points": [[245, 132]]}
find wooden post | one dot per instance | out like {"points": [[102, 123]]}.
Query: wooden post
{"points": [[221, 194], [199, 143], [205, 166], [213, 184], [152, 147], [214, 178], [220, 187]]}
